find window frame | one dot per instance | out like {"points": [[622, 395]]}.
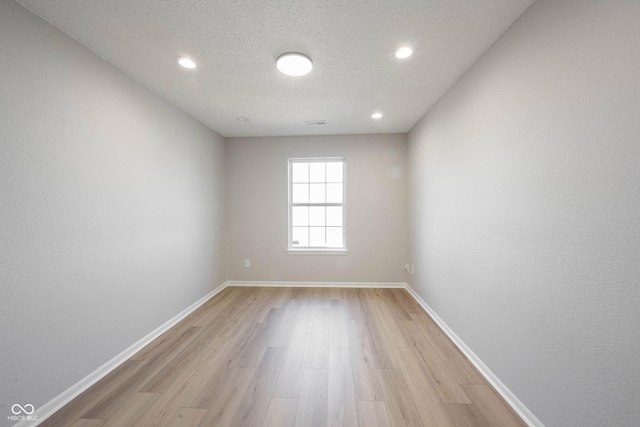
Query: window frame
{"points": [[316, 250]]}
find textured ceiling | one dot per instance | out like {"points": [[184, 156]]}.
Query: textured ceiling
{"points": [[235, 43]]}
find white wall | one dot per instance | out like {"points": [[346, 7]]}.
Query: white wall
{"points": [[111, 210], [376, 209], [524, 213]]}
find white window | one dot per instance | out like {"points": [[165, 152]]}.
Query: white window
{"points": [[316, 205]]}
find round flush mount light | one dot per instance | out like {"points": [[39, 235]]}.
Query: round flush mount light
{"points": [[186, 62], [404, 52], [294, 64], [376, 115]]}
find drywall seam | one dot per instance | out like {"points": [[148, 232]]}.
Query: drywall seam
{"points": [[317, 284], [55, 404], [511, 399]]}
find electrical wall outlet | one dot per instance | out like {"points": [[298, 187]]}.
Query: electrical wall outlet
{"points": [[406, 268], [247, 263]]}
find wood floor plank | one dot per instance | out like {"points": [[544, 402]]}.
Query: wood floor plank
{"points": [[292, 370], [225, 327], [246, 306], [400, 405], [164, 355], [338, 324], [211, 316], [282, 337], [297, 294], [353, 304], [290, 376], [87, 422], [198, 379], [336, 293], [436, 370], [226, 398], [281, 296], [267, 299], [312, 405], [238, 344], [373, 413], [491, 407], [466, 415], [281, 413], [323, 297], [464, 371], [190, 384], [318, 348], [78, 407], [164, 409], [251, 354], [431, 409], [186, 417], [393, 332], [404, 298], [256, 400], [110, 404], [218, 306], [388, 298], [342, 410], [365, 376], [216, 383], [132, 410], [457, 362], [381, 350], [226, 295], [181, 361], [217, 360], [163, 342]]}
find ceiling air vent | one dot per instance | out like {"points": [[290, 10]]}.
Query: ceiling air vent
{"points": [[316, 122]]}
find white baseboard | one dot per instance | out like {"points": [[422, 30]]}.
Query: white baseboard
{"points": [[511, 399], [51, 407], [318, 284]]}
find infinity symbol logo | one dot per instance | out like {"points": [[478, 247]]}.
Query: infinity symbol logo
{"points": [[27, 409]]}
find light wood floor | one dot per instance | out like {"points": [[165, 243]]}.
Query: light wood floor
{"points": [[279, 357]]}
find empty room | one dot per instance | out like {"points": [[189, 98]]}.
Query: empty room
{"points": [[320, 213]]}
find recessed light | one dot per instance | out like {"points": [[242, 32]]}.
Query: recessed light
{"points": [[404, 52], [186, 62], [243, 119], [376, 115], [294, 64]]}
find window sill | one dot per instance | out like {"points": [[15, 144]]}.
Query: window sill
{"points": [[303, 251]]}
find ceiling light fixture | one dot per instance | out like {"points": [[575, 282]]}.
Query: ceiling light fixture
{"points": [[376, 115], [186, 62], [294, 64], [404, 52]]}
